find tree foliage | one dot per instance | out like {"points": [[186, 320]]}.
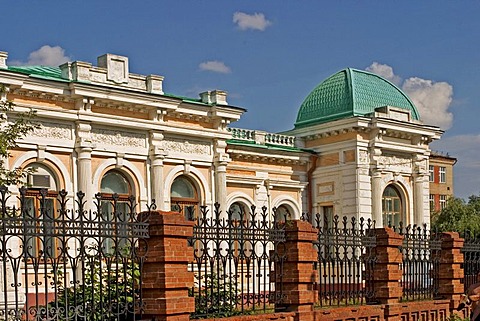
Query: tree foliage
{"points": [[11, 130], [459, 215]]}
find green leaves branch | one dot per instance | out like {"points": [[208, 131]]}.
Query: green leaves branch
{"points": [[10, 133]]}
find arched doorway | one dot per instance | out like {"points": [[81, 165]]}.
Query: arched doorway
{"points": [[184, 197], [392, 206]]}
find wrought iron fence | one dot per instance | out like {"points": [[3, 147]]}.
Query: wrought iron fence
{"points": [[61, 263], [471, 259], [346, 260], [420, 262], [237, 262]]}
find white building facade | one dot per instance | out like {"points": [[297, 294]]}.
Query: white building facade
{"points": [[358, 147]]}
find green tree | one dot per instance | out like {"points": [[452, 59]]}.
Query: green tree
{"points": [[11, 130], [459, 215]]}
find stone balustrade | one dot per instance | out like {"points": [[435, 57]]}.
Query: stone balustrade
{"points": [[261, 137]]}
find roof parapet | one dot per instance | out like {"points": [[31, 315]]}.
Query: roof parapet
{"points": [[3, 59], [111, 70], [117, 67], [217, 97]]}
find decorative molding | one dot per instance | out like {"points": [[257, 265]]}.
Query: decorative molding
{"points": [[326, 188], [187, 147], [363, 157], [118, 138], [53, 131], [395, 163]]}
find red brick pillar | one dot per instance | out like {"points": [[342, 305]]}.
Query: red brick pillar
{"points": [[299, 275], [166, 279], [387, 274], [451, 272]]}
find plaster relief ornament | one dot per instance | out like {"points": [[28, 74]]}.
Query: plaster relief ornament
{"points": [[118, 138], [187, 147], [395, 163], [53, 131]]}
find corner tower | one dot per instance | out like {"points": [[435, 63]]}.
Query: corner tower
{"points": [[372, 149]]}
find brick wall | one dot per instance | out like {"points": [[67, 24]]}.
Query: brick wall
{"points": [[167, 280]]}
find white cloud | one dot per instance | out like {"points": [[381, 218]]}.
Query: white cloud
{"points": [[46, 56], [431, 98], [385, 71], [215, 66], [256, 21]]}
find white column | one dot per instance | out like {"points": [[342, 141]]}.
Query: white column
{"points": [[83, 147], [419, 201], [157, 181], [377, 198], [221, 160], [221, 185], [157, 155], [84, 156]]}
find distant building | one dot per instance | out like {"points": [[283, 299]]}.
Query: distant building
{"points": [[440, 170], [358, 147]]}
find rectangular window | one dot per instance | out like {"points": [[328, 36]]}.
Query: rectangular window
{"points": [[431, 173], [328, 213], [443, 174], [443, 201], [432, 203]]}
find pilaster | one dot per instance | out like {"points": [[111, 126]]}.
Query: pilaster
{"points": [[377, 197]]}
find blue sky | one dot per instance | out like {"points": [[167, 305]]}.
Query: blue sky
{"points": [[268, 55]]}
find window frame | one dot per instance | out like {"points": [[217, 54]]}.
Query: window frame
{"points": [[443, 201], [123, 199], [182, 204], [442, 174], [431, 200], [388, 200], [38, 236]]}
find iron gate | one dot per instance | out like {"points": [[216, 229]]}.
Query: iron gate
{"points": [[59, 261]]}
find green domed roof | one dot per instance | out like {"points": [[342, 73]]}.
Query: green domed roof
{"points": [[351, 92]]}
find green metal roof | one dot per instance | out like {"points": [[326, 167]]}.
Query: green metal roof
{"points": [[52, 73], [348, 93], [55, 73]]}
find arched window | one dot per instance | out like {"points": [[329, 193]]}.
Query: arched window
{"points": [[42, 208], [184, 197], [392, 207], [238, 216], [114, 210], [283, 212], [238, 211]]}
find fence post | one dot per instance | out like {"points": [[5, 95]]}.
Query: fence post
{"points": [[299, 275], [451, 271], [387, 275], [166, 279]]}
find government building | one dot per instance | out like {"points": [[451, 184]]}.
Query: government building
{"points": [[358, 147]]}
